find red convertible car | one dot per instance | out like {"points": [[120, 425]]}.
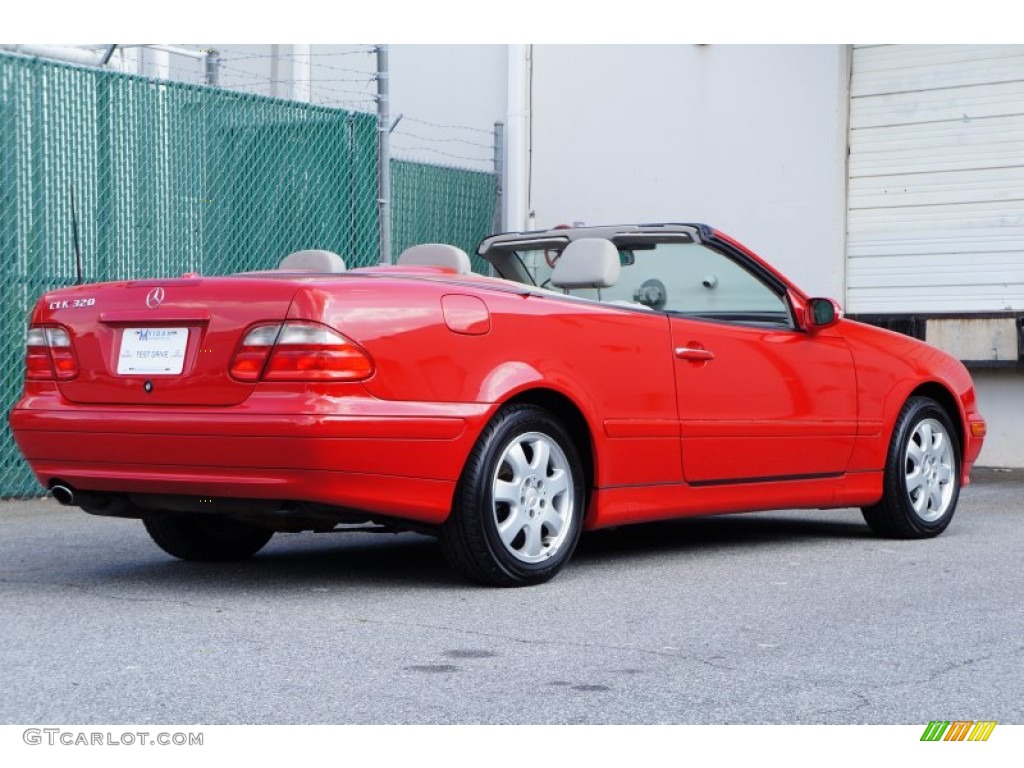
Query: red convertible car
{"points": [[601, 376]]}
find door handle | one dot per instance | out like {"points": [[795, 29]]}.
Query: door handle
{"points": [[698, 354]]}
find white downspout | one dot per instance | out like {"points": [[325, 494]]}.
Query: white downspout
{"points": [[517, 139], [302, 72]]}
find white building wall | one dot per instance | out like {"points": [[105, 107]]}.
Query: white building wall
{"points": [[1000, 398], [461, 89], [749, 139]]}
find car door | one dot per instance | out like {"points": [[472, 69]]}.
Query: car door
{"points": [[765, 404], [759, 399]]}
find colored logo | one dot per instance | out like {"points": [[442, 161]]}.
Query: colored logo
{"points": [[958, 730]]}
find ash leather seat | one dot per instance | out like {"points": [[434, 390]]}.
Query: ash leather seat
{"points": [[436, 255], [313, 261], [591, 262]]}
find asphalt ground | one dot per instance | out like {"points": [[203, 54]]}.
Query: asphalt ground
{"points": [[779, 617]]}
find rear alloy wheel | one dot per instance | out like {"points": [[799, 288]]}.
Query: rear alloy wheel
{"points": [[922, 474], [519, 505], [206, 537]]}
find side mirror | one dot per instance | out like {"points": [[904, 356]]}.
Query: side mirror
{"points": [[822, 313]]}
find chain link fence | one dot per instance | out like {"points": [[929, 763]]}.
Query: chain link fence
{"points": [[170, 177], [437, 204]]}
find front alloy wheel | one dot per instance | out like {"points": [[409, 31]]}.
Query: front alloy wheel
{"points": [[929, 467], [922, 474]]}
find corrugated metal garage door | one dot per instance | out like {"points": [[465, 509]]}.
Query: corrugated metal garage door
{"points": [[936, 195]]}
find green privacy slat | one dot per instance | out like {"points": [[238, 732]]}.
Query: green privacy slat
{"points": [[437, 204], [171, 178]]}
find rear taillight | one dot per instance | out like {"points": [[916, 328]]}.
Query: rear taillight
{"points": [[251, 357], [299, 351], [49, 354]]}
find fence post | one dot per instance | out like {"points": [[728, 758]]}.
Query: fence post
{"points": [[499, 177], [383, 155], [212, 62]]}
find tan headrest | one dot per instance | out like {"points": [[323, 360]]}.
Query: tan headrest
{"points": [[590, 262], [436, 255], [314, 261]]}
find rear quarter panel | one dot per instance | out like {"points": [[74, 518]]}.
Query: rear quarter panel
{"points": [[615, 365]]}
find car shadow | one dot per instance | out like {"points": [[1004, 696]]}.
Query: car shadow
{"points": [[306, 561], [411, 561], [709, 533]]}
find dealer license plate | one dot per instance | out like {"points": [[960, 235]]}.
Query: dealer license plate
{"points": [[152, 351]]}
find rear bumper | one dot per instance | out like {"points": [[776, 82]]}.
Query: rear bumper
{"points": [[395, 459]]}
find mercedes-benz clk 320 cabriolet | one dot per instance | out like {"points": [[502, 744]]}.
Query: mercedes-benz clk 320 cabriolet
{"points": [[603, 376]]}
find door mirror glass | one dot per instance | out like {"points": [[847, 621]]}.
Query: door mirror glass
{"points": [[823, 312]]}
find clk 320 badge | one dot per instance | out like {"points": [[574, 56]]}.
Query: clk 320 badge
{"points": [[73, 303]]}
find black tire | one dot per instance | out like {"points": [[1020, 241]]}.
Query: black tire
{"points": [[921, 485], [205, 537], [541, 526]]}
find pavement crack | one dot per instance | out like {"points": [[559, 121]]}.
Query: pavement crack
{"points": [[663, 653], [107, 596], [864, 702], [955, 665]]}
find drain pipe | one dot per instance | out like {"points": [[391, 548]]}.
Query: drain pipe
{"points": [[517, 137]]}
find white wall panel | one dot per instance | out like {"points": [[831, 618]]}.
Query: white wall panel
{"points": [[748, 138], [914, 68], [972, 102], [936, 179], [936, 188]]}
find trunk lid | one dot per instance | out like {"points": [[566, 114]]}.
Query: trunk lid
{"points": [[162, 342]]}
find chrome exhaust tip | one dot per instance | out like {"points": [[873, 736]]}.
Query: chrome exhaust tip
{"points": [[64, 495]]}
